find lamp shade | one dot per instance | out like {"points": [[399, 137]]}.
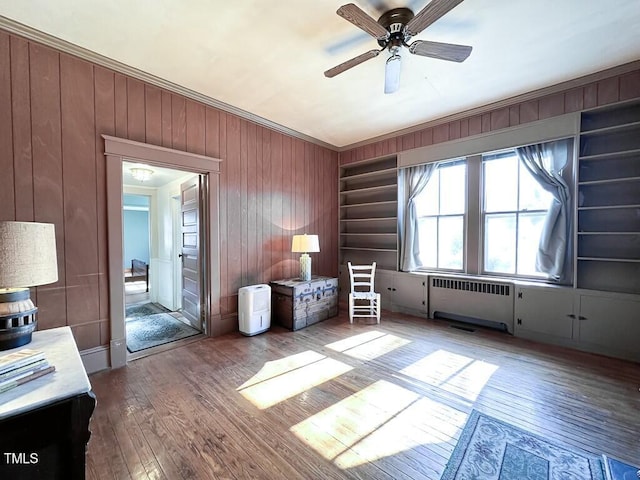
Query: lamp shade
{"points": [[305, 243], [27, 254]]}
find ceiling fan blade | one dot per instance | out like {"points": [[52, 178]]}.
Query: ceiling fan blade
{"points": [[360, 19], [429, 14], [442, 51], [332, 72]]}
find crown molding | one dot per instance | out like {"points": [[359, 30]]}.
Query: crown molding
{"points": [[507, 102], [30, 33]]}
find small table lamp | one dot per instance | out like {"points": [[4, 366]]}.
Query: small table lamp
{"points": [[304, 244], [27, 259]]}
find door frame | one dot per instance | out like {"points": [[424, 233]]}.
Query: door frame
{"points": [[118, 150]]}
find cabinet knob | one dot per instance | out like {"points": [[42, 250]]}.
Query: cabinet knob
{"points": [[580, 317], [519, 321], [571, 315]]}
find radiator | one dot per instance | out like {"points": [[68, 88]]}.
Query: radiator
{"points": [[471, 301]]}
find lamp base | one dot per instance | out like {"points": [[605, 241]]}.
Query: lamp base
{"points": [[17, 318], [305, 267]]}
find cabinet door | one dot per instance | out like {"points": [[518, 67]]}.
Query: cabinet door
{"points": [[545, 311], [384, 285], [410, 292], [611, 323]]}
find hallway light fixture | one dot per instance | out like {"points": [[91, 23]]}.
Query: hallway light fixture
{"points": [[141, 174], [304, 244]]}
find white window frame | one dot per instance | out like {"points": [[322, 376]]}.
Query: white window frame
{"points": [[464, 215], [483, 216]]}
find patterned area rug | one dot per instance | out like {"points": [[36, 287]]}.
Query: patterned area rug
{"points": [[153, 330], [144, 309], [489, 449]]}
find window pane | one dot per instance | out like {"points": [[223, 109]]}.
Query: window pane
{"points": [[450, 242], [532, 195], [500, 184], [428, 241], [452, 189], [500, 243], [529, 230], [427, 202]]}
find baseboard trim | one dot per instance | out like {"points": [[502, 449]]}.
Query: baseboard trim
{"points": [[95, 359]]}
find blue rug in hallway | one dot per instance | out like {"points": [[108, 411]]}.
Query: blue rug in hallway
{"points": [[153, 330], [490, 449]]}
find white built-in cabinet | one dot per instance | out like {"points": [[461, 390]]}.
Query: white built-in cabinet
{"points": [[400, 291], [544, 313], [593, 321], [608, 325]]}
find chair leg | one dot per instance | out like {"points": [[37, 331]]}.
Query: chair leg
{"points": [[378, 307], [350, 308]]}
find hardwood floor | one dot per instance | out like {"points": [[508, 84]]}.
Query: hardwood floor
{"points": [[337, 401]]}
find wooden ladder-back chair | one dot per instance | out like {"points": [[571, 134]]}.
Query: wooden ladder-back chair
{"points": [[363, 300]]}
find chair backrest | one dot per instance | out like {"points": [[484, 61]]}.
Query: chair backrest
{"points": [[362, 277]]}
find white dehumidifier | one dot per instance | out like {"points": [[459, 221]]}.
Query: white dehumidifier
{"points": [[254, 309]]}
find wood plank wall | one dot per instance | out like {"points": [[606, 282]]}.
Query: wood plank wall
{"points": [[53, 109], [604, 92]]}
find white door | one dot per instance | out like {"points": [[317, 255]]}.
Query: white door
{"points": [[190, 240]]}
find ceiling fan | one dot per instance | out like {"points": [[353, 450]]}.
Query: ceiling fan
{"points": [[394, 30]]}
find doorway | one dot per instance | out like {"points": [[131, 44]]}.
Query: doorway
{"points": [[206, 170], [162, 295]]}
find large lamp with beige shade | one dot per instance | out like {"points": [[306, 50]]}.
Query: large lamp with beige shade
{"points": [[27, 259], [305, 244]]}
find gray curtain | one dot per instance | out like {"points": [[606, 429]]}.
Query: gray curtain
{"points": [[545, 162], [414, 180]]}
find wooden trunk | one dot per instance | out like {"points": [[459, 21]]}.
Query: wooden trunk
{"points": [[297, 304]]}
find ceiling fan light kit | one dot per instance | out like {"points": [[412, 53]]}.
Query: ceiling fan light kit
{"points": [[394, 30], [392, 74]]}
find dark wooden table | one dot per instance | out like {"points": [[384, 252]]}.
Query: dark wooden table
{"points": [[44, 424]]}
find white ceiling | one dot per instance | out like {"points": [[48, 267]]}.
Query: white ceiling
{"points": [[268, 57]]}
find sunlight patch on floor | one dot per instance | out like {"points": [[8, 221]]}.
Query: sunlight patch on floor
{"points": [[380, 420], [421, 423], [457, 374], [368, 346], [279, 388], [283, 365], [355, 340]]}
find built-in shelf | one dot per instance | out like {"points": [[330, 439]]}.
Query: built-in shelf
{"points": [[370, 219], [383, 173], [608, 199], [606, 156], [610, 207], [369, 212], [369, 249], [608, 233], [610, 180], [605, 259], [615, 128], [390, 202]]}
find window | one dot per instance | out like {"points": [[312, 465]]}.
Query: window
{"points": [[505, 212], [440, 211], [514, 209]]}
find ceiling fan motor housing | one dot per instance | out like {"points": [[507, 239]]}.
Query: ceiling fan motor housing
{"points": [[395, 21]]}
